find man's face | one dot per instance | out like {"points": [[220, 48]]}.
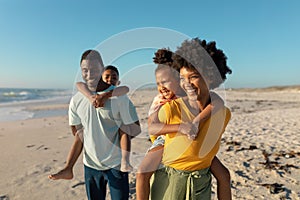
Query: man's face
{"points": [[91, 71]]}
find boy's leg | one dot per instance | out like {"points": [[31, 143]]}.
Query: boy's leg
{"points": [[118, 184], [222, 175], [95, 183], [149, 164], [67, 171], [125, 144]]}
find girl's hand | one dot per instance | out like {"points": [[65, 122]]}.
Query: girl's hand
{"points": [[188, 129], [163, 101]]}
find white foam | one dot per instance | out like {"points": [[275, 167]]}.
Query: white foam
{"points": [[14, 114]]}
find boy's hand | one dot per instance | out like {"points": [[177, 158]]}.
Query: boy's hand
{"points": [[92, 98], [100, 99]]}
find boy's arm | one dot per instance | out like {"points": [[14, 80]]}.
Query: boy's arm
{"points": [[118, 91], [82, 87]]}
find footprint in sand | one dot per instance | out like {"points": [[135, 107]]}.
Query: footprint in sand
{"points": [[42, 147]]}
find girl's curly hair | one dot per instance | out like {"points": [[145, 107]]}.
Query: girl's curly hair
{"points": [[163, 56], [204, 57], [164, 59]]}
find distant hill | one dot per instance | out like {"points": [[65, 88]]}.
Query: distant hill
{"points": [[269, 89]]}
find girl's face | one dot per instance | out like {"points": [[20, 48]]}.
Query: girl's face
{"points": [[110, 77], [193, 84], [167, 84]]}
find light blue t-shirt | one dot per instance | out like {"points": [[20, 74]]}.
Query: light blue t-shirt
{"points": [[101, 136], [111, 87]]}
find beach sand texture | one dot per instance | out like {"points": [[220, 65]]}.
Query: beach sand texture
{"points": [[261, 148]]}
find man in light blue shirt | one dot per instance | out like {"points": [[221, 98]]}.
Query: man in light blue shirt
{"points": [[101, 144]]}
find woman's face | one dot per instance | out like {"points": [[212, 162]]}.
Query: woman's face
{"points": [[167, 84], [193, 84]]}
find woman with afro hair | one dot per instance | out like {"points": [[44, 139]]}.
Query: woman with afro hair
{"points": [[187, 163]]}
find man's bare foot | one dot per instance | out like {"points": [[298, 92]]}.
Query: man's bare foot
{"points": [[126, 167], [65, 173]]}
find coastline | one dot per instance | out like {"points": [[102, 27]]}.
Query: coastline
{"points": [[14, 111], [260, 147]]}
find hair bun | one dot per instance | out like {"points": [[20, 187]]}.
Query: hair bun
{"points": [[163, 56]]}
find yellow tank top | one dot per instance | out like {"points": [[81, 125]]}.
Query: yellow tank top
{"points": [[185, 154]]}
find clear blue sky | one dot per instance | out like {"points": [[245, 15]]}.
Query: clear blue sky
{"points": [[41, 41]]}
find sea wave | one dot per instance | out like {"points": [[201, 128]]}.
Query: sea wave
{"points": [[16, 104], [14, 113], [10, 95]]}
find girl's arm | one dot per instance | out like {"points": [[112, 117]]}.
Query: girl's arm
{"points": [[82, 87], [156, 128], [216, 103], [191, 129]]}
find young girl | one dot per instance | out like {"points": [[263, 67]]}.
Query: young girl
{"points": [[105, 89], [169, 89]]}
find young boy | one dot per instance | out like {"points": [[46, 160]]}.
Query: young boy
{"points": [[106, 88]]}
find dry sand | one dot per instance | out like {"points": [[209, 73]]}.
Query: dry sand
{"points": [[261, 148]]}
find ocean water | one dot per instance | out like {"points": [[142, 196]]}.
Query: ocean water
{"points": [[15, 101]]}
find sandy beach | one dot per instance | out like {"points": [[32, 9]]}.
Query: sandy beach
{"points": [[260, 147]]}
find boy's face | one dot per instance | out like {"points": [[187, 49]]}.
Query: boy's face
{"points": [[110, 77], [167, 85]]}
